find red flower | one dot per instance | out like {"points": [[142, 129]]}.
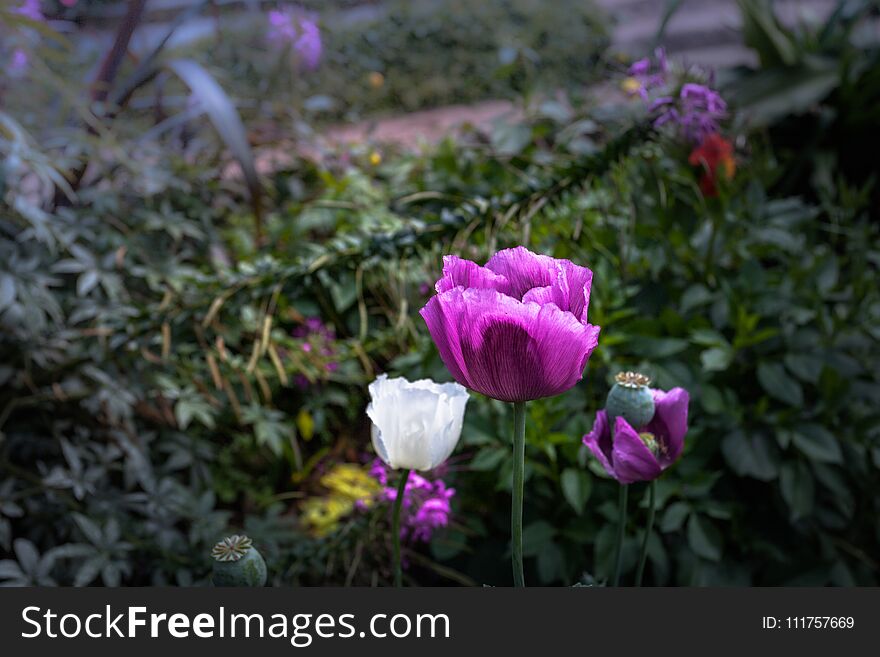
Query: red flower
{"points": [[713, 155]]}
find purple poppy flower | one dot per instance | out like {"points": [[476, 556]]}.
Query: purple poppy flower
{"points": [[516, 329], [629, 455]]}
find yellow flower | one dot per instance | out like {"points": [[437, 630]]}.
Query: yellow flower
{"points": [[306, 424], [350, 486], [375, 158], [322, 514], [352, 482], [631, 86], [376, 79]]}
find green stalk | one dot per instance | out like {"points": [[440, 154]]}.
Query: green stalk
{"points": [[519, 456], [621, 527], [652, 494], [395, 527]]}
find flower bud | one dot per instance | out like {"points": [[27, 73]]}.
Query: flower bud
{"points": [[238, 563], [631, 399]]}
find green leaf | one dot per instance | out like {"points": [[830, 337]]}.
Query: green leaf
{"points": [[704, 538], [806, 367], [778, 384], [774, 93], [694, 296], [716, 359], [511, 139], [7, 290], [648, 347], [274, 433], [551, 564], [193, 407], [674, 517], [576, 487], [798, 489], [750, 455], [763, 32], [86, 282], [817, 443], [536, 536], [488, 458]]}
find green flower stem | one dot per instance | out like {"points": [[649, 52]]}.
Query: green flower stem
{"points": [[652, 494], [516, 512], [395, 527], [621, 528]]}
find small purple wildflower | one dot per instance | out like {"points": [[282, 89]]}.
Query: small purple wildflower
{"points": [[694, 110], [318, 346], [425, 506], [649, 74], [702, 109], [294, 28], [30, 9]]}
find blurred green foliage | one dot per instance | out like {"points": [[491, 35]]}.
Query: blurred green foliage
{"points": [[404, 56], [817, 90]]}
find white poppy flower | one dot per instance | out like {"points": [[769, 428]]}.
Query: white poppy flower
{"points": [[415, 425]]}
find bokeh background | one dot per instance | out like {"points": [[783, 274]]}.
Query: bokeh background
{"points": [[218, 222]]}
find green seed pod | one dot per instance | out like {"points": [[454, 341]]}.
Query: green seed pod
{"points": [[238, 563], [631, 399]]}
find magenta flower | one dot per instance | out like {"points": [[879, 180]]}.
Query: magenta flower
{"points": [[650, 74], [515, 329], [298, 30], [30, 9], [629, 455], [426, 503]]}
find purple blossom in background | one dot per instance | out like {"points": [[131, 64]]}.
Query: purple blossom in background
{"points": [[694, 111], [318, 343], [18, 59], [650, 74], [697, 114], [426, 503], [299, 31], [30, 9]]}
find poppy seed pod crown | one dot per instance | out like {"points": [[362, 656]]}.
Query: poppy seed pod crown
{"points": [[630, 398], [238, 563]]}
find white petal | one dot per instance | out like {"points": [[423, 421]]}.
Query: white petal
{"points": [[415, 425]]}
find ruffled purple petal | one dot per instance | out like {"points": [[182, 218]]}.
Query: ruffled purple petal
{"points": [[523, 269], [569, 291], [632, 459], [565, 346], [506, 349], [441, 314], [572, 286], [599, 441], [670, 422], [458, 272]]}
